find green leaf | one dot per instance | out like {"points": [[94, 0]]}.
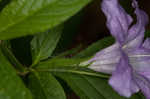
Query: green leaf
{"points": [[24, 17], [11, 86], [44, 44], [89, 87], [44, 86], [92, 49]]}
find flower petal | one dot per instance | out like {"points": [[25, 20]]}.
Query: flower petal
{"points": [[136, 32], [118, 20], [140, 60], [105, 61], [144, 84], [146, 43], [122, 78]]}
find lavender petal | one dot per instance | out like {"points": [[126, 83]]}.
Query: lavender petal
{"points": [[146, 43], [140, 60], [105, 61], [136, 32], [144, 84], [122, 78], [118, 20]]}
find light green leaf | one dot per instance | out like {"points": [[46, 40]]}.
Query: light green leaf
{"points": [[44, 86], [24, 17], [95, 47], [11, 86], [88, 87], [44, 44]]}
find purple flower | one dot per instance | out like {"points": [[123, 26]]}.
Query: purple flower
{"points": [[128, 60]]}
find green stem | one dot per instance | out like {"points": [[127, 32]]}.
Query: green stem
{"points": [[75, 72], [12, 59]]}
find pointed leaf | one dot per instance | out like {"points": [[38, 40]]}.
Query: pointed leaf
{"points": [[24, 17], [44, 86], [44, 44]]}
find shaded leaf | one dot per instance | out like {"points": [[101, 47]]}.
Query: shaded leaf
{"points": [[11, 86], [24, 17], [44, 44], [44, 86]]}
